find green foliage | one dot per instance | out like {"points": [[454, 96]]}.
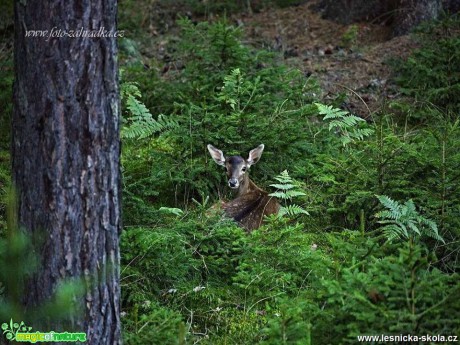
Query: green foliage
{"points": [[185, 265], [350, 36], [432, 73], [290, 324], [344, 124], [318, 280], [151, 323], [172, 210], [138, 122], [402, 221], [395, 294], [18, 261], [280, 260], [287, 189], [220, 97]]}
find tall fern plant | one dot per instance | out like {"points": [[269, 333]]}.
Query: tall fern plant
{"points": [[402, 221], [138, 122], [287, 189], [349, 127]]}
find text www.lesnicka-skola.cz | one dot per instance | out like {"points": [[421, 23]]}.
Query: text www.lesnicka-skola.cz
{"points": [[78, 33], [384, 338]]}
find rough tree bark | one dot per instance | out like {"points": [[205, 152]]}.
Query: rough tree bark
{"points": [[66, 155]]}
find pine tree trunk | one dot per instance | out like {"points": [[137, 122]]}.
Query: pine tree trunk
{"points": [[65, 151]]}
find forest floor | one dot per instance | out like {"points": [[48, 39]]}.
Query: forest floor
{"points": [[345, 59], [351, 59]]}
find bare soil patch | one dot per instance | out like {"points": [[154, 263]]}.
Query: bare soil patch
{"points": [[359, 67]]}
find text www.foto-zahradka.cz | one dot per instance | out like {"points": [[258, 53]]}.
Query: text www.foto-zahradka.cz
{"points": [[79, 33]]}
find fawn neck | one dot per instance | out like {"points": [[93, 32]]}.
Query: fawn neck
{"points": [[246, 186]]}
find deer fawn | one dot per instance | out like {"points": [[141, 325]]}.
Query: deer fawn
{"points": [[251, 203]]}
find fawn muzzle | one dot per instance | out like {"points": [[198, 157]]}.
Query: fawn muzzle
{"points": [[233, 183]]}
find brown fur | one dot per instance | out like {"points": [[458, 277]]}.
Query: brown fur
{"points": [[251, 203], [249, 208]]}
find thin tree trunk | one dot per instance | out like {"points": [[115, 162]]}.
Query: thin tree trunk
{"points": [[65, 152]]}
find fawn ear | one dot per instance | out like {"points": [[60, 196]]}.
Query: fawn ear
{"points": [[254, 155], [217, 155]]}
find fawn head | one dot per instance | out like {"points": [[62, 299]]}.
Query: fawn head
{"points": [[237, 167]]}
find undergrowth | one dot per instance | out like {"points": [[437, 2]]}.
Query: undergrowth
{"points": [[368, 240]]}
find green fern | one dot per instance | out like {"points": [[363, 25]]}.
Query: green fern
{"points": [[287, 190], [172, 210], [138, 122], [291, 210], [344, 123], [402, 221]]}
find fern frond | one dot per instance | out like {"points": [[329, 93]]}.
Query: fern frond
{"points": [[403, 221], [344, 123], [329, 112], [292, 210], [392, 233], [284, 177], [172, 210], [138, 122], [293, 193], [394, 208], [287, 189], [279, 195], [283, 186]]}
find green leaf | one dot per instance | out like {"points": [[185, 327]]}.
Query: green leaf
{"points": [[172, 210]]}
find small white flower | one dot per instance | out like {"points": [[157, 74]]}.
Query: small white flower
{"points": [[171, 291]]}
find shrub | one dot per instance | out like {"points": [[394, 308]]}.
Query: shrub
{"points": [[393, 294], [221, 98], [432, 73]]}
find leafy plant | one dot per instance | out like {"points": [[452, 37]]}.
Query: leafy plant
{"points": [[221, 99], [350, 36], [402, 221], [344, 124], [287, 190], [431, 74], [397, 293], [138, 122], [150, 323], [189, 276]]}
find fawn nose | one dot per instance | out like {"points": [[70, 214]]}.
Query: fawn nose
{"points": [[233, 183]]}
